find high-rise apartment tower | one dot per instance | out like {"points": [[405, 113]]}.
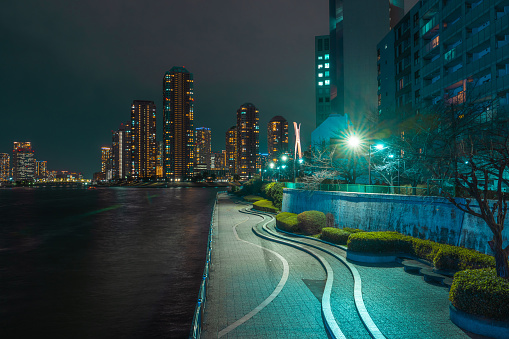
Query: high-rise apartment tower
{"points": [[248, 132], [277, 136], [203, 148], [23, 161], [143, 139]]}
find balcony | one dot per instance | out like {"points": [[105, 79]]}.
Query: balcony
{"points": [[502, 24], [502, 83], [502, 53]]}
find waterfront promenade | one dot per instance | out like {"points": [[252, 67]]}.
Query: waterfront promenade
{"points": [[265, 284]]}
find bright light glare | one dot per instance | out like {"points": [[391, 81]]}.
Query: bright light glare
{"points": [[301, 160], [379, 147], [271, 165], [284, 157], [354, 141]]}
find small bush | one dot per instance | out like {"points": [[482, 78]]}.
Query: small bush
{"points": [[352, 230], [311, 222], [481, 292], [274, 192], [252, 198], [265, 206], [288, 222], [379, 242], [459, 258], [335, 235]]}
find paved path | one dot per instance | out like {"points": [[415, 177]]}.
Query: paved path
{"points": [[260, 288]]}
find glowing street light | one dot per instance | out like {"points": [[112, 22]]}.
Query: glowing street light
{"points": [[354, 141]]}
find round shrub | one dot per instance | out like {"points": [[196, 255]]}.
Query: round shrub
{"points": [[288, 222], [335, 235], [379, 242], [482, 293], [311, 222]]}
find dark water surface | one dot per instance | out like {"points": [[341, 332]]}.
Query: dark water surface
{"points": [[104, 263]]}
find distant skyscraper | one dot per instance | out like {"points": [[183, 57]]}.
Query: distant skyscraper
{"points": [[159, 160], [5, 165], [217, 160], [356, 27], [248, 131], [322, 78], [106, 163], [143, 139], [277, 136], [231, 150], [121, 152], [23, 161], [41, 169], [203, 148], [178, 131]]}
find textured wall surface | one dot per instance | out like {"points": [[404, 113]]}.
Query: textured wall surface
{"points": [[432, 218]]}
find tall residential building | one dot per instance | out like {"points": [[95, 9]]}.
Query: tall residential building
{"points": [[277, 136], [231, 150], [41, 169], [322, 78], [143, 139], [217, 160], [23, 161], [121, 152], [356, 27], [248, 132], [202, 148], [159, 159], [5, 165], [106, 163], [178, 131], [445, 52]]}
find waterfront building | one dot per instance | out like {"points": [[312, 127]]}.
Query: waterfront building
{"points": [[356, 27], [159, 160], [121, 152], [143, 139], [203, 150], [217, 160], [231, 150], [322, 78], [277, 136], [106, 163], [178, 131], [248, 145], [443, 53], [23, 162], [5, 165], [41, 169]]}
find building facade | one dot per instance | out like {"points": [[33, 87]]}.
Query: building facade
{"points": [[5, 167], [356, 27], [106, 163], [203, 138], [121, 152], [322, 78], [23, 162], [41, 169], [178, 130], [277, 136], [231, 150], [248, 132], [143, 139], [445, 52]]}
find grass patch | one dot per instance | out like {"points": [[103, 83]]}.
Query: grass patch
{"points": [[265, 206]]}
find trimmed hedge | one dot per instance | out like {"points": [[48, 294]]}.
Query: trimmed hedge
{"points": [[311, 222], [265, 206], [288, 222], [335, 235], [481, 292], [253, 198], [274, 191], [444, 257]]}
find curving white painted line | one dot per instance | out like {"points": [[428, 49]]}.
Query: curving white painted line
{"points": [[277, 290]]}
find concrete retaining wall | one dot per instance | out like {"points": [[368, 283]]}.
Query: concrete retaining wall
{"points": [[432, 218]]}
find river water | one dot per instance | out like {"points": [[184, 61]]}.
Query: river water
{"points": [[104, 263]]}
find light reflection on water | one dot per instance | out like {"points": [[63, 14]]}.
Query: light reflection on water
{"points": [[104, 263]]}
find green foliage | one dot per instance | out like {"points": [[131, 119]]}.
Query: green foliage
{"points": [[335, 235], [481, 292], [352, 230], [265, 206], [252, 198], [274, 192], [311, 222], [443, 257], [288, 222], [251, 187]]}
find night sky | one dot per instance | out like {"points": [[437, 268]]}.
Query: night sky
{"points": [[71, 69]]}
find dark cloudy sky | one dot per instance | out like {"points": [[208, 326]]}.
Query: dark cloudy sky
{"points": [[70, 69]]}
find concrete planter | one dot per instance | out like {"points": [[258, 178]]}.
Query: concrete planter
{"points": [[479, 325], [371, 258]]}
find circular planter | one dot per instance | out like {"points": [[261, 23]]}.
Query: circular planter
{"points": [[479, 325], [371, 258]]}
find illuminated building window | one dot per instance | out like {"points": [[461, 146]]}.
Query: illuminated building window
{"points": [[320, 57], [320, 83], [320, 75], [327, 82], [320, 66], [327, 65], [326, 56], [326, 73]]}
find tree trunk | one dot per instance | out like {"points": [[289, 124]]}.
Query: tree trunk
{"points": [[501, 260]]}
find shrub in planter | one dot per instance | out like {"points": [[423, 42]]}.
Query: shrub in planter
{"points": [[311, 222], [458, 258], [265, 205], [288, 222], [379, 242], [335, 235], [352, 230], [482, 293], [274, 191], [253, 198]]}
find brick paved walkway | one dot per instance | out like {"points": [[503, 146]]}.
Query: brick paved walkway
{"points": [[249, 296]]}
